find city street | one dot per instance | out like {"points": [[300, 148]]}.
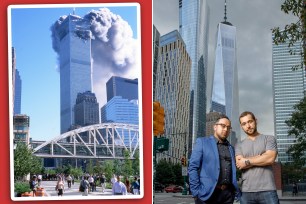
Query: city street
{"points": [[177, 198]]}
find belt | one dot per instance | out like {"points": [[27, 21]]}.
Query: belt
{"points": [[222, 187]]}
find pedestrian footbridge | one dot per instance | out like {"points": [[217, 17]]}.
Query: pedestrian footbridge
{"points": [[101, 141]]}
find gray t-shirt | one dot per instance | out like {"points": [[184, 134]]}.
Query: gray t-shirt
{"points": [[257, 178]]}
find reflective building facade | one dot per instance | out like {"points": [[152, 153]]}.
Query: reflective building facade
{"points": [[121, 110], [119, 86], [288, 89], [17, 94], [193, 25], [173, 93], [225, 96], [75, 68]]}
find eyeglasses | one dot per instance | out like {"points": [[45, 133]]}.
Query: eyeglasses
{"points": [[224, 126]]}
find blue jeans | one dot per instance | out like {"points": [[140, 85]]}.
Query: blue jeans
{"points": [[262, 197]]}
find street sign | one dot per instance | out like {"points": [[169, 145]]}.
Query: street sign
{"points": [[162, 144], [184, 171]]}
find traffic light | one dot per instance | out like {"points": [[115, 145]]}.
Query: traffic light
{"points": [[183, 160], [158, 119]]}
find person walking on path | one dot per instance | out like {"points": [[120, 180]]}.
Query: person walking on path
{"points": [[254, 157], [84, 186], [69, 180], [33, 184], [102, 181], [135, 186], [60, 187], [119, 188], [212, 167], [294, 189]]}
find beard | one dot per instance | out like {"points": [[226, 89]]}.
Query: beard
{"points": [[251, 131]]}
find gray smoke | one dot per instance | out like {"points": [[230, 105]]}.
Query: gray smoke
{"points": [[114, 50]]}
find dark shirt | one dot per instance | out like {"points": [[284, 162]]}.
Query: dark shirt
{"points": [[225, 176]]}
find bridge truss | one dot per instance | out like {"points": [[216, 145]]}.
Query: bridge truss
{"points": [[101, 141]]}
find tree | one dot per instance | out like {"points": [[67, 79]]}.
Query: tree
{"points": [[297, 127], [164, 173], [294, 32], [127, 166], [108, 167], [25, 162], [177, 171], [136, 164]]}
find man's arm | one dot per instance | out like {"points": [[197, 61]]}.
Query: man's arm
{"points": [[265, 159], [194, 167]]}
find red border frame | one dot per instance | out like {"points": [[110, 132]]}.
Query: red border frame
{"points": [[146, 47]]}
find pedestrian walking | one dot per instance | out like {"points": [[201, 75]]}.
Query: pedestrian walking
{"points": [[60, 187], [119, 188], [135, 186], [84, 186]]}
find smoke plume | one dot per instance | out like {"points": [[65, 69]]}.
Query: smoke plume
{"points": [[114, 50]]}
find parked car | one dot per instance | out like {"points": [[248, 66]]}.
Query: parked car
{"points": [[159, 187], [174, 189]]}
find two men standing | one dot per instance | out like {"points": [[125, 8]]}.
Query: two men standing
{"points": [[212, 166]]}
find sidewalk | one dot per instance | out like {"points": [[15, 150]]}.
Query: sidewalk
{"points": [[282, 198]]}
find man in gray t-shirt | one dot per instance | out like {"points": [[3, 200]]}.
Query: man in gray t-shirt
{"points": [[254, 157]]}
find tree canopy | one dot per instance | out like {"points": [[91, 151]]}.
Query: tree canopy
{"points": [[294, 32], [297, 127]]}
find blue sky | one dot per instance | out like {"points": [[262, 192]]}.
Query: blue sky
{"points": [[37, 61]]}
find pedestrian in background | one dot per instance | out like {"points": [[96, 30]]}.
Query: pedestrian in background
{"points": [[60, 187], [119, 188], [135, 186], [254, 157], [212, 169]]}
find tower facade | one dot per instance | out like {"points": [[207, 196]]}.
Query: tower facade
{"points": [[17, 94], [119, 86], [225, 96], [156, 40], [75, 68], [193, 23], [289, 87], [121, 110], [173, 92], [86, 110]]}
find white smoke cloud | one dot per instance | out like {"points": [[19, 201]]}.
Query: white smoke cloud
{"points": [[114, 50]]}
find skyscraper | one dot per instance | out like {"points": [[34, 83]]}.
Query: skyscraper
{"points": [[172, 91], [17, 95], [86, 110], [193, 23], [289, 87], [156, 38], [225, 97], [74, 64], [121, 110], [119, 86]]}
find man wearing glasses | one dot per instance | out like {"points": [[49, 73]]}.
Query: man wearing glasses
{"points": [[255, 156], [212, 170]]}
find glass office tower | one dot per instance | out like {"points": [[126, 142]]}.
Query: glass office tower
{"points": [[75, 67], [121, 110], [225, 96], [17, 94], [288, 89], [119, 86], [193, 23]]}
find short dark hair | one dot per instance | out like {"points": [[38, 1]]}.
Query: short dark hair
{"points": [[245, 113], [221, 116]]}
